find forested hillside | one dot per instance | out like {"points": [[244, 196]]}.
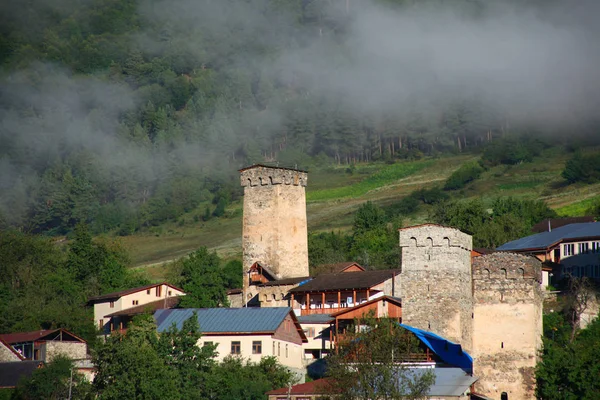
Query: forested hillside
{"points": [[127, 113]]}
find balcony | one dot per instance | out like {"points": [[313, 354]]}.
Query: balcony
{"points": [[328, 308]]}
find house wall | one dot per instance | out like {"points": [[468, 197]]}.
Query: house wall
{"points": [[318, 341], [73, 350], [507, 324], [142, 297], [436, 284], [270, 347], [274, 221], [581, 263], [276, 296]]}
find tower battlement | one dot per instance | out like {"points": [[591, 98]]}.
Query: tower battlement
{"points": [[507, 266], [264, 175]]}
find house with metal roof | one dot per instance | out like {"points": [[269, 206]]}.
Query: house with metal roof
{"points": [[44, 345], [110, 310], [576, 247], [249, 332]]}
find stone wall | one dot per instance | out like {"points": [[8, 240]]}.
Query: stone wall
{"points": [[507, 324], [274, 221], [436, 283], [6, 354], [73, 350]]}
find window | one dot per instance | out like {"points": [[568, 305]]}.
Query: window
{"points": [[278, 349], [273, 348], [101, 324], [148, 291], [236, 348], [595, 247], [569, 249], [257, 347], [286, 351], [158, 291], [207, 344], [112, 304], [135, 302], [583, 247], [309, 332], [170, 293]]}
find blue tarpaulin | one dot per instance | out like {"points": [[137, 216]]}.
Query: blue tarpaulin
{"points": [[450, 352]]}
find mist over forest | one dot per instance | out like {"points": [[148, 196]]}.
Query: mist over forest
{"points": [[127, 113]]}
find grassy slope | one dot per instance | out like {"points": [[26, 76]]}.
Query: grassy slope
{"points": [[333, 195]]}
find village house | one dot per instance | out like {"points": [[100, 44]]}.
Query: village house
{"points": [[44, 345], [112, 311], [250, 333], [330, 293], [573, 248]]}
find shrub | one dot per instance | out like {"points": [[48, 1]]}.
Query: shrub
{"points": [[582, 168], [466, 173], [512, 150]]}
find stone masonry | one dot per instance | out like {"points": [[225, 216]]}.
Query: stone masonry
{"points": [[507, 324], [274, 222], [436, 283]]}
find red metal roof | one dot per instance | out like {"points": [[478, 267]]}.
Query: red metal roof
{"points": [[320, 386], [116, 295], [41, 335]]}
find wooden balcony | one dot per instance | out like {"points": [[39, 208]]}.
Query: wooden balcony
{"points": [[324, 310]]}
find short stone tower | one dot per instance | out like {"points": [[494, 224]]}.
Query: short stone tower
{"points": [[436, 281], [507, 324], [274, 223]]}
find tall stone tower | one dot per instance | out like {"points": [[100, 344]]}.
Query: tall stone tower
{"points": [[507, 324], [436, 282], [274, 223]]}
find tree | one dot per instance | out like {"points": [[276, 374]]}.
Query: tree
{"points": [[203, 280], [369, 363], [192, 363], [129, 366], [56, 381]]}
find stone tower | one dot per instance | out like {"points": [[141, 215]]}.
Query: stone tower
{"points": [[436, 281], [274, 223], [507, 324]]}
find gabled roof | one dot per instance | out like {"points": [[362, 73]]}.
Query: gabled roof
{"points": [[544, 240], [336, 267], [450, 382], [167, 302], [396, 300], [11, 349], [116, 295], [258, 265], [12, 372], [346, 281], [230, 321], [320, 386], [554, 223], [42, 335]]}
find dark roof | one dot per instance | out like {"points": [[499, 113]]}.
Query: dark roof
{"points": [[544, 240], [167, 302], [483, 250], [287, 281], [315, 319], [345, 280], [12, 372], [264, 268], [337, 267], [228, 320], [320, 386], [116, 295], [52, 334], [448, 381], [554, 223], [270, 166]]}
